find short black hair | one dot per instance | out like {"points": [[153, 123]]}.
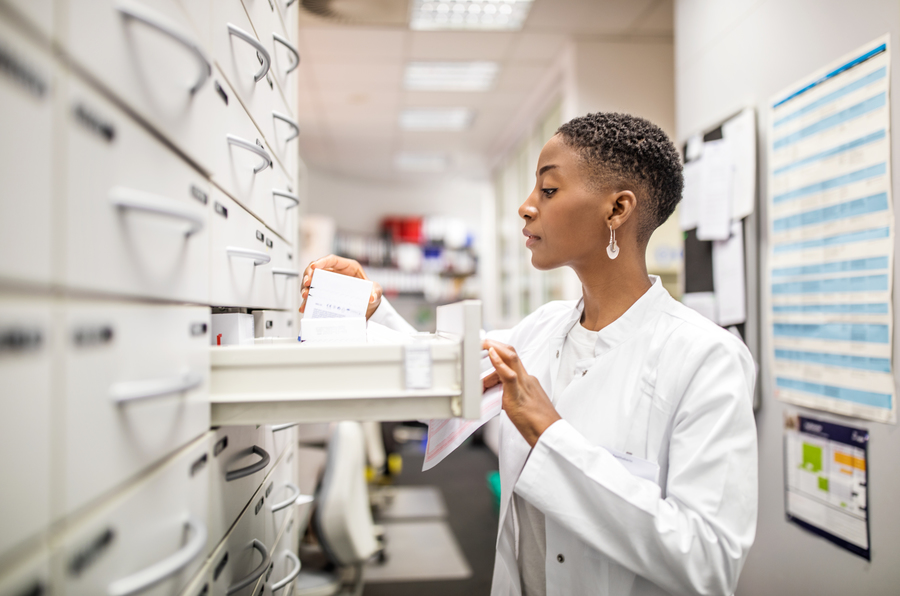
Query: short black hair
{"points": [[624, 152]]}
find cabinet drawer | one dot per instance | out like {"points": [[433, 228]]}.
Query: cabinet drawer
{"points": [[281, 492], [37, 13], [146, 53], [283, 132], [161, 518], [274, 323], [249, 265], [285, 563], [28, 84], [282, 47], [240, 462], [28, 353], [280, 383], [243, 558], [27, 575], [244, 59], [125, 410], [136, 217]]}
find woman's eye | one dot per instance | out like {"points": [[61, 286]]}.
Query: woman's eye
{"points": [[548, 192]]}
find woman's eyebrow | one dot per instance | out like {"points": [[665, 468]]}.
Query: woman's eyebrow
{"points": [[545, 168]]}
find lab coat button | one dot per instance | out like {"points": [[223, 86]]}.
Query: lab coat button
{"points": [[557, 353], [560, 558], [584, 372]]}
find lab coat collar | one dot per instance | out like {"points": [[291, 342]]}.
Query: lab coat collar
{"points": [[625, 326]]}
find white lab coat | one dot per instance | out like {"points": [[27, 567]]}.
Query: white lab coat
{"points": [[665, 385]]}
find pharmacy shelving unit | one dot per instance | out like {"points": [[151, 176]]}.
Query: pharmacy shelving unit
{"points": [[150, 172]]}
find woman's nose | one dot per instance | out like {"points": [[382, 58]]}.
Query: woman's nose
{"points": [[527, 210]]}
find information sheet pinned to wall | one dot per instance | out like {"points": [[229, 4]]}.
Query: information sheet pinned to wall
{"points": [[831, 238], [826, 481]]}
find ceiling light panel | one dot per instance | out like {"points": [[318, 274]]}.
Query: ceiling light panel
{"points": [[436, 118], [480, 15], [450, 76]]}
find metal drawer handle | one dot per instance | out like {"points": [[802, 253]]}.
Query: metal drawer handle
{"points": [[259, 257], [295, 200], [289, 2], [144, 15], [135, 200], [252, 468], [295, 499], [256, 573], [252, 148], [129, 391], [287, 272], [290, 122], [290, 576], [260, 50], [160, 571], [280, 427], [290, 49]]}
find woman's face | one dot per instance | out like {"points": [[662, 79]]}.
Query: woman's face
{"points": [[564, 216]]}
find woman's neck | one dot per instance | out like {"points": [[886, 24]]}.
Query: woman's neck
{"points": [[610, 290]]}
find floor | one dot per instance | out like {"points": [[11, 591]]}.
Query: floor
{"points": [[462, 480]]}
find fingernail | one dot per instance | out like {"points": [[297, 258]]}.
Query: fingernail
{"points": [[305, 277]]}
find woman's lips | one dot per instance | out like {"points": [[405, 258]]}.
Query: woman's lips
{"points": [[530, 238]]}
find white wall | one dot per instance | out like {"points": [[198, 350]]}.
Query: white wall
{"points": [[635, 77], [359, 205], [741, 52]]}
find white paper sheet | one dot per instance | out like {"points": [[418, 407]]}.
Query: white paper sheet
{"points": [[333, 295], [445, 435], [715, 194], [728, 277], [740, 132], [688, 210]]}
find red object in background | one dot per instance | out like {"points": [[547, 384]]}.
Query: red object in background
{"points": [[219, 339], [403, 229]]}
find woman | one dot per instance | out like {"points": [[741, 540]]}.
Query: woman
{"points": [[628, 444]]}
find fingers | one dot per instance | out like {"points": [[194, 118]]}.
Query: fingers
{"points": [[507, 354], [490, 380], [506, 374], [333, 263]]}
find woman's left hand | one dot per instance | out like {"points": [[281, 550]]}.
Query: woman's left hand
{"points": [[524, 400]]}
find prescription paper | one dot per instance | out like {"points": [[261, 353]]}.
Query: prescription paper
{"points": [[445, 435], [332, 295]]}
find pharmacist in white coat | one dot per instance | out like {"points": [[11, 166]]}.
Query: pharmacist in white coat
{"points": [[628, 460]]}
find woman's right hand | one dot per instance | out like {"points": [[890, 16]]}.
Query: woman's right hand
{"points": [[341, 266]]}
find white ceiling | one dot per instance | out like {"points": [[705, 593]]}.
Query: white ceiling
{"points": [[351, 91]]}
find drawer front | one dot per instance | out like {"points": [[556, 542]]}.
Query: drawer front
{"points": [[123, 409], [136, 221], [159, 518], [28, 83], [282, 47], [240, 462], [244, 161], [147, 53], [285, 206], [241, 557], [274, 323], [249, 265], [283, 132], [281, 490], [37, 13], [27, 357], [284, 566], [236, 47], [29, 575]]}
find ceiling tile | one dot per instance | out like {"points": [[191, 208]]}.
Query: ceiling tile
{"points": [[660, 20], [537, 47], [459, 45], [521, 77], [355, 43], [585, 17], [358, 77]]}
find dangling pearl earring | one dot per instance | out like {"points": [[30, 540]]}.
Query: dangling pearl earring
{"points": [[613, 249]]}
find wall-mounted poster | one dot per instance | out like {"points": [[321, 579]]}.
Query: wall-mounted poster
{"points": [[829, 276], [826, 480]]}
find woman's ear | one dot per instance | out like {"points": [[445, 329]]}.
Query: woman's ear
{"points": [[624, 205]]}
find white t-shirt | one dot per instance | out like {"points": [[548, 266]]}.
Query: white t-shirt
{"points": [[579, 345]]}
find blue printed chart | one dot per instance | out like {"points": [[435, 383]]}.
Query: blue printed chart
{"points": [[831, 238]]}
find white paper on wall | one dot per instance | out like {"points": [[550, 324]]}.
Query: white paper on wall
{"points": [[740, 133], [715, 193], [728, 277], [689, 208]]}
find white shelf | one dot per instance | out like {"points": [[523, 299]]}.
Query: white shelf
{"points": [[271, 384]]}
